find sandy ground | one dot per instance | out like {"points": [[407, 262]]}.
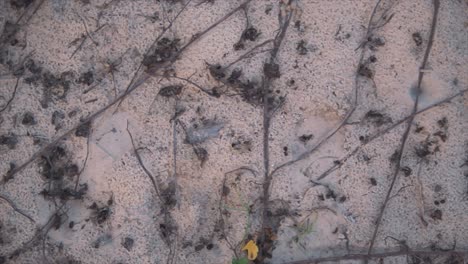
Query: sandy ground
{"points": [[91, 201]]}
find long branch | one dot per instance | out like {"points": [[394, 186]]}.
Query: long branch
{"points": [[408, 127], [396, 253]]}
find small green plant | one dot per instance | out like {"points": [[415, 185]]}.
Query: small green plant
{"points": [[303, 229], [243, 260]]}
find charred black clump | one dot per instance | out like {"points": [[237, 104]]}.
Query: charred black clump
{"points": [[58, 170], [377, 118], [365, 71], [9, 31], [20, 3], [55, 87], [417, 38], [271, 70], [9, 140], [217, 71], [28, 119], [427, 147], [83, 130], [86, 78], [170, 91], [165, 50], [100, 214], [301, 47], [249, 34]]}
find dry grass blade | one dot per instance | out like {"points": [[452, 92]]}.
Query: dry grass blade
{"points": [[10, 202], [12, 96]]}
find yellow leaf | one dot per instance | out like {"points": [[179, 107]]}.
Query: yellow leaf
{"points": [[252, 250]]}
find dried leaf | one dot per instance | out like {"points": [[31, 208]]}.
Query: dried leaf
{"points": [[252, 250]]}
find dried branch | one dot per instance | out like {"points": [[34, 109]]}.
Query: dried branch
{"points": [[268, 80], [396, 253], [408, 128], [337, 164], [353, 107]]}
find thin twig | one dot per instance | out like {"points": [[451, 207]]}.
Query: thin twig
{"points": [[208, 92], [396, 253], [12, 96], [140, 161], [248, 53], [174, 152], [86, 158], [10, 202], [408, 127], [86, 29], [84, 39]]}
